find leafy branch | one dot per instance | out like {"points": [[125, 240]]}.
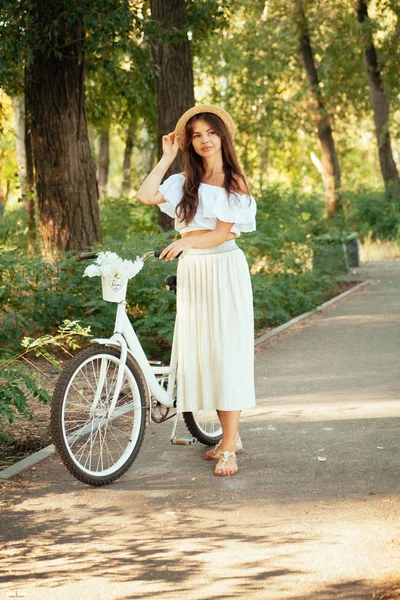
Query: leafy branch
{"points": [[18, 383]]}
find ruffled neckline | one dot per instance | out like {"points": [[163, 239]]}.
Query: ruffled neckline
{"points": [[219, 187], [216, 187]]}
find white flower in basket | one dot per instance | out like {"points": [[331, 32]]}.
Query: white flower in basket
{"points": [[115, 273]]}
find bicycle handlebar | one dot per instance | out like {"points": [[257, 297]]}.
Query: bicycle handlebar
{"points": [[158, 252], [90, 255], [87, 255]]}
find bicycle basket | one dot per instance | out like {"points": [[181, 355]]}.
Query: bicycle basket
{"points": [[114, 288]]}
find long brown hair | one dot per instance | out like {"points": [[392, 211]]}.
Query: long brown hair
{"points": [[194, 168]]}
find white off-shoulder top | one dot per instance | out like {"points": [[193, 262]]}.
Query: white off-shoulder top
{"points": [[239, 209]]}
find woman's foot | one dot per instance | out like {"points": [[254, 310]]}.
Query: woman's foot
{"points": [[226, 465], [215, 453]]}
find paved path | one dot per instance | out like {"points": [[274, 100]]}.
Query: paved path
{"points": [[290, 525]]}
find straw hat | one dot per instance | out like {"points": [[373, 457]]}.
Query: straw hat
{"points": [[203, 108]]}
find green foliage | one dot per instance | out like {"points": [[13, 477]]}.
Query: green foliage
{"points": [[120, 85], [122, 219], [120, 80], [280, 254], [36, 296], [66, 338], [254, 70], [13, 228], [286, 222], [374, 214], [19, 383], [245, 57], [280, 297], [8, 164]]}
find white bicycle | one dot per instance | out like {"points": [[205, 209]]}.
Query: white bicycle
{"points": [[107, 393]]}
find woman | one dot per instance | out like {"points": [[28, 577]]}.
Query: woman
{"points": [[211, 205]]}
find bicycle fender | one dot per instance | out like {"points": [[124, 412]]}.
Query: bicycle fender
{"points": [[106, 342]]}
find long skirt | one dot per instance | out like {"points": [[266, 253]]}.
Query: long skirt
{"points": [[214, 330]]}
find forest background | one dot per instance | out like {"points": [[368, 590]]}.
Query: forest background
{"points": [[88, 88]]}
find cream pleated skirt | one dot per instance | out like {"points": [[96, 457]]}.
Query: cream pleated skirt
{"points": [[214, 330]]}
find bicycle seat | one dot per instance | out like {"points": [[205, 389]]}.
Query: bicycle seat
{"points": [[170, 283]]}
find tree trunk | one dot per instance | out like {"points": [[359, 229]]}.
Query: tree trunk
{"points": [[126, 167], [172, 61], [65, 174], [329, 158], [30, 188], [104, 161], [24, 162], [379, 103]]}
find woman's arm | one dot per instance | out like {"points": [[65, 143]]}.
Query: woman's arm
{"points": [[148, 192], [206, 240]]}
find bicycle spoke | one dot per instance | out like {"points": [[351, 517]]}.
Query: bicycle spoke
{"points": [[80, 433], [100, 443]]}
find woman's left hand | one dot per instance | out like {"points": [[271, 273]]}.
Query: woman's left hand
{"points": [[180, 246]]}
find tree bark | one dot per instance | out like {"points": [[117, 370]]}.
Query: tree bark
{"points": [[65, 174], [126, 167], [379, 102], [329, 158], [30, 190], [104, 161], [172, 62], [30, 178]]}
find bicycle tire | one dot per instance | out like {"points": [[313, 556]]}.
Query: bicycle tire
{"points": [[202, 426], [95, 447]]}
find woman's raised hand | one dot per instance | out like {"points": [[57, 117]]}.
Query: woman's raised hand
{"points": [[170, 145]]}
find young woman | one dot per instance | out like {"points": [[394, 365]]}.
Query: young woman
{"points": [[211, 205]]}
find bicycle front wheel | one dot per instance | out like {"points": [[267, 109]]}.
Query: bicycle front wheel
{"points": [[96, 443], [204, 426]]}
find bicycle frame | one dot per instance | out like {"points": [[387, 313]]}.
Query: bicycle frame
{"points": [[125, 338], [105, 395]]}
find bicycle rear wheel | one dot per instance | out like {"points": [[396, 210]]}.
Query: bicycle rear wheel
{"points": [[95, 445], [204, 426]]}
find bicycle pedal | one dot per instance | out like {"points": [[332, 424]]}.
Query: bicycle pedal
{"points": [[183, 441]]}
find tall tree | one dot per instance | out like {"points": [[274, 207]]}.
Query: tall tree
{"points": [[329, 159], [30, 188], [104, 160], [51, 40], [173, 74], [126, 166], [64, 170], [379, 101]]}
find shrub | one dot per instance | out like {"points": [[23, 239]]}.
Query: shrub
{"points": [[374, 214], [122, 219], [19, 382], [36, 297], [39, 296]]}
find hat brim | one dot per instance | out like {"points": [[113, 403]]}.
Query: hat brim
{"points": [[203, 108]]}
